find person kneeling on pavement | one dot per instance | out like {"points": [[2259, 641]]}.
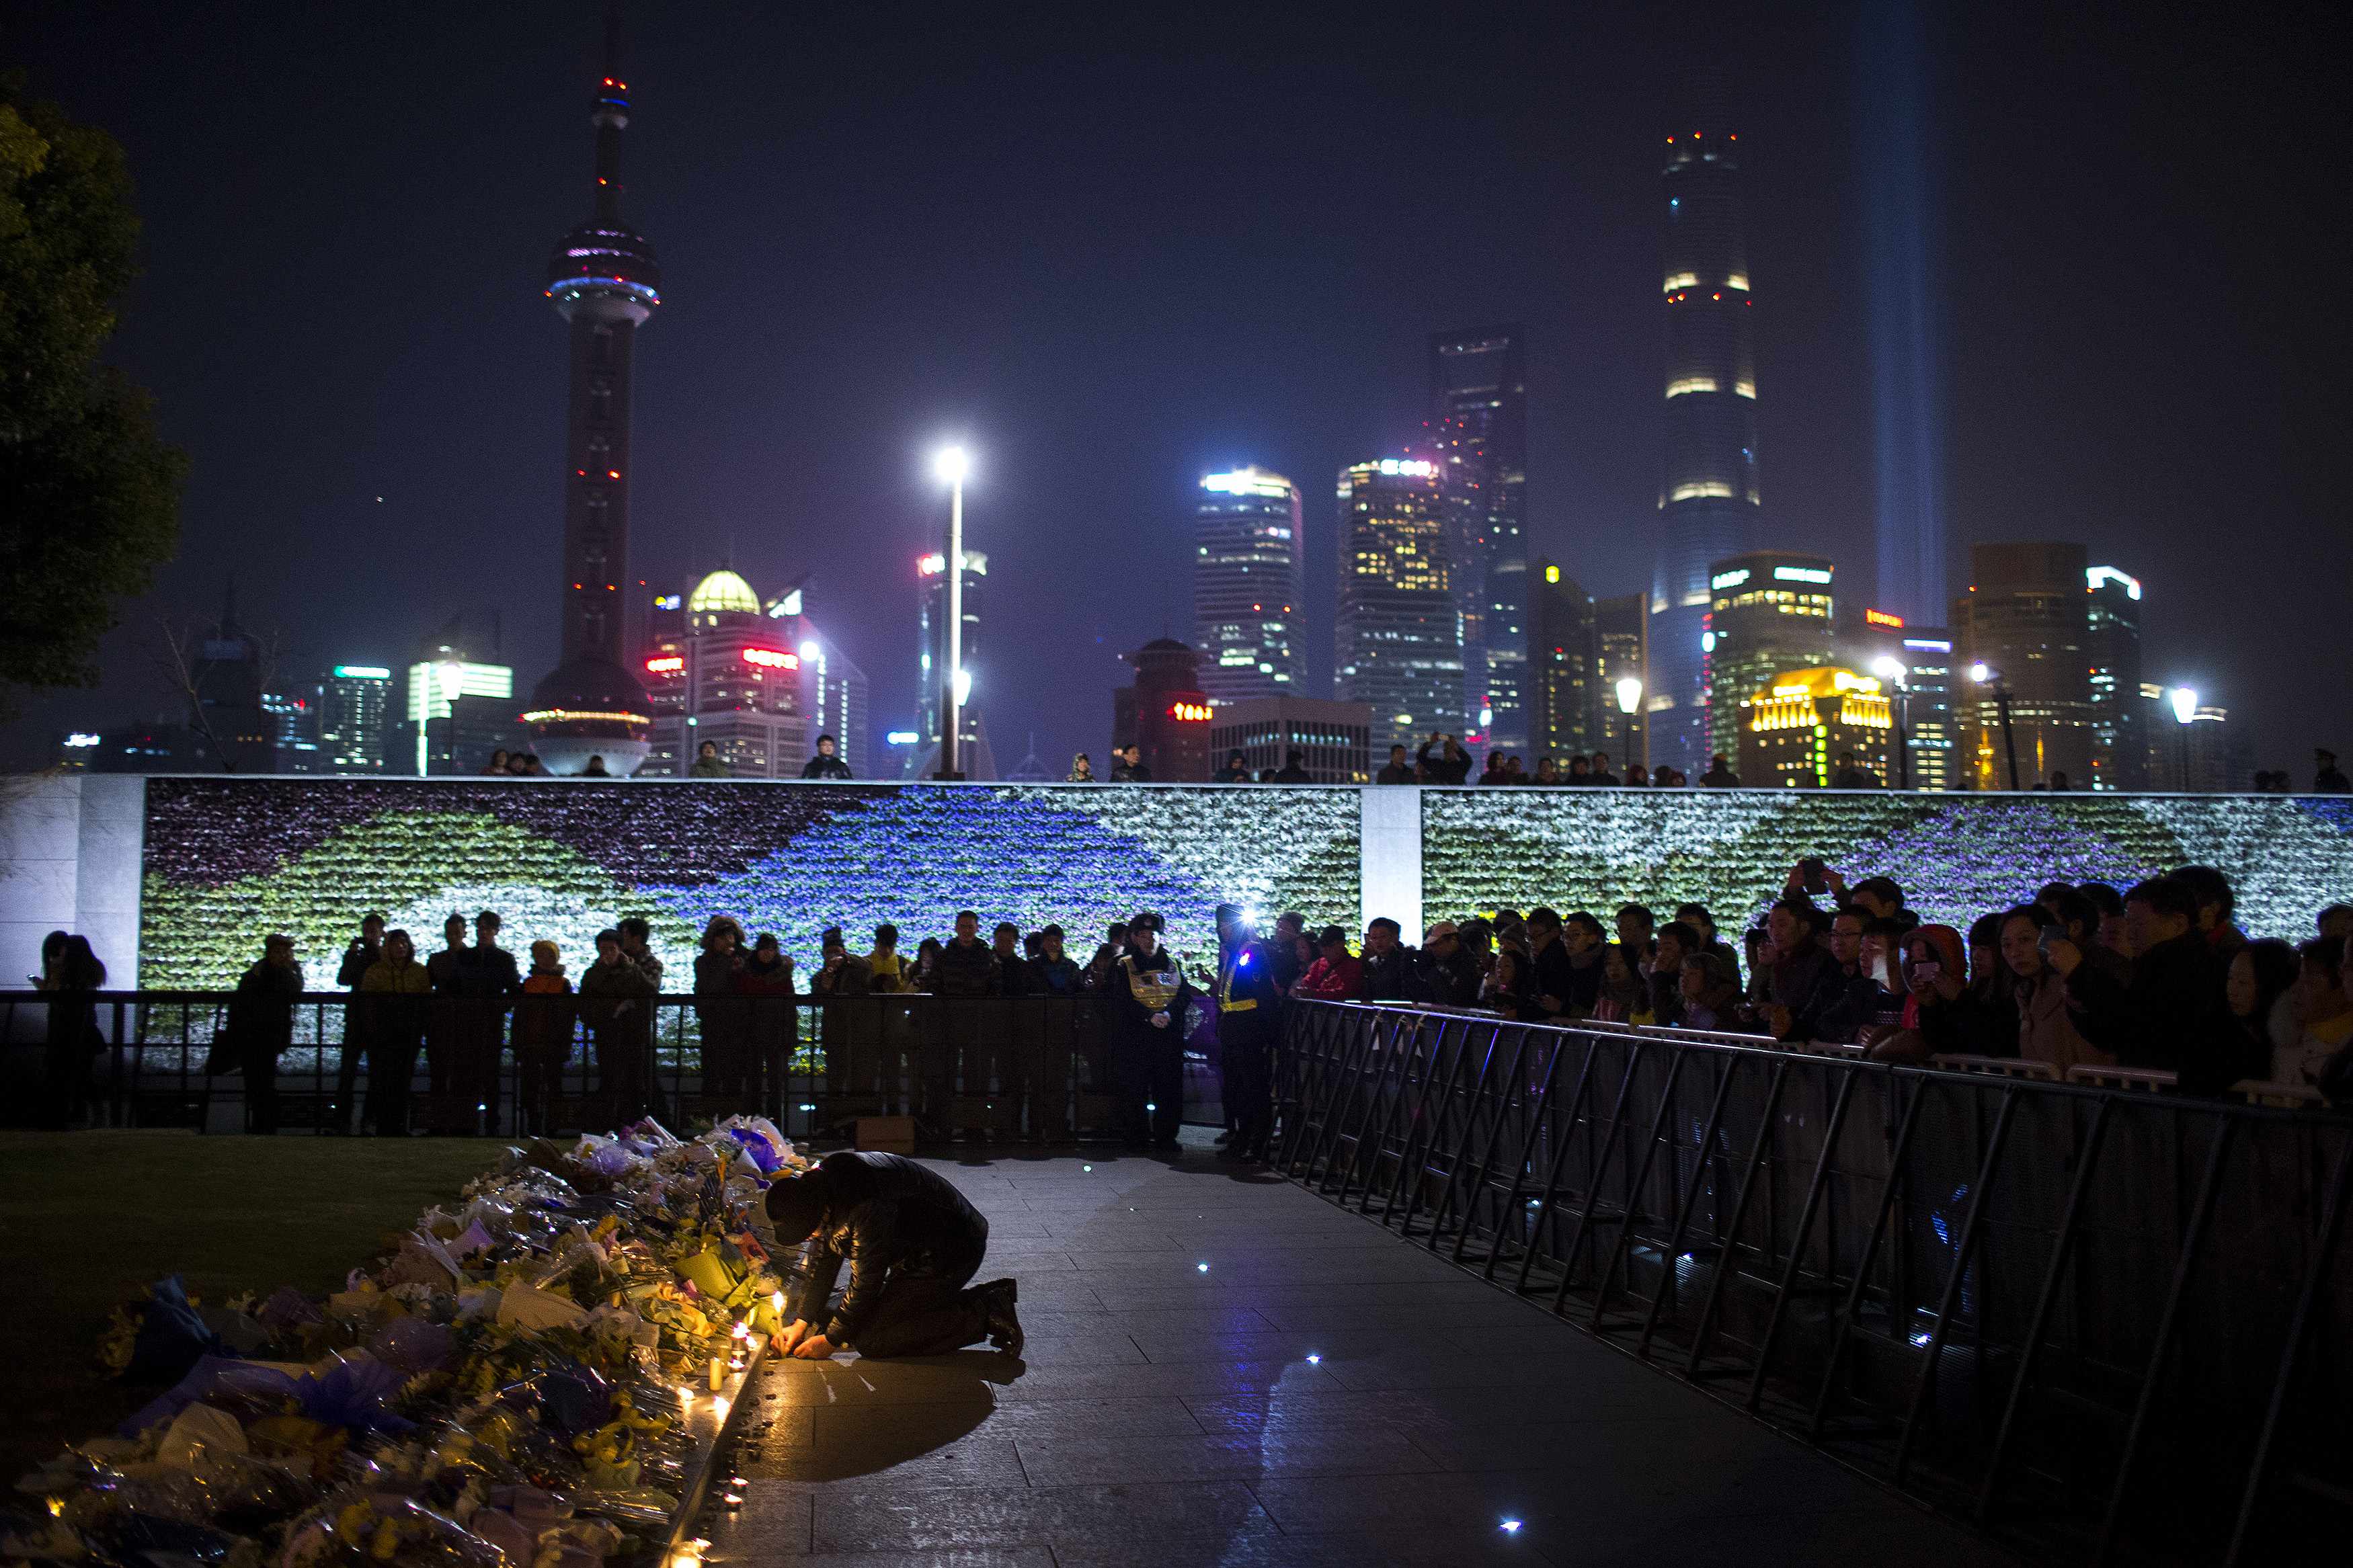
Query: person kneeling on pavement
{"points": [[913, 1243]]}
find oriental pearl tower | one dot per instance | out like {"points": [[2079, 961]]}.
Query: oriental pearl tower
{"points": [[602, 279]]}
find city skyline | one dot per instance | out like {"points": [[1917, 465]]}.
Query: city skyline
{"points": [[1572, 372]]}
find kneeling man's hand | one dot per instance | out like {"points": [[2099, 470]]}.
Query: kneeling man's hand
{"points": [[816, 1347], [792, 1335]]}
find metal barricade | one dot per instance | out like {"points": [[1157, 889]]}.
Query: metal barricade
{"points": [[2105, 1321]]}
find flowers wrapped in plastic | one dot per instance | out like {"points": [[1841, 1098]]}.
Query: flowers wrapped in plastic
{"points": [[497, 1390]]}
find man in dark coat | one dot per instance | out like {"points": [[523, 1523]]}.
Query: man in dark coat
{"points": [[1250, 1033], [913, 1243], [1389, 964], [2170, 1014], [1449, 973], [1149, 993], [261, 1022], [488, 982], [358, 959], [617, 1003]]}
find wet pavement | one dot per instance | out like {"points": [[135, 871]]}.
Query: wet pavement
{"points": [[1225, 1368]]}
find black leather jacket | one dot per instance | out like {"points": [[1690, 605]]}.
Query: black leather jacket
{"points": [[885, 1214]]}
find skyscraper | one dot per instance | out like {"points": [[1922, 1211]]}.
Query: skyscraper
{"points": [[2025, 617], [2120, 739], [602, 279], [1248, 559], [1479, 435], [1772, 611], [931, 639], [1165, 715], [1621, 632], [354, 708], [1708, 501], [833, 688], [1562, 663], [1400, 642], [720, 670]]}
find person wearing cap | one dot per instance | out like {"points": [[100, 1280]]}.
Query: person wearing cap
{"points": [[1149, 991], [542, 1038], [913, 1243], [1449, 973], [1249, 1030], [2327, 778]]}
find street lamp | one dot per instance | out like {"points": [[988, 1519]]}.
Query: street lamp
{"points": [[1630, 697], [1890, 669], [2185, 709], [949, 466], [1985, 674]]}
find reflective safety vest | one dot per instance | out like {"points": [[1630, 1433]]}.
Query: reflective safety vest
{"points": [[1226, 1003], [1154, 988]]}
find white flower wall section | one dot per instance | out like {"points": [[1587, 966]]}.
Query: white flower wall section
{"points": [[1957, 857]]}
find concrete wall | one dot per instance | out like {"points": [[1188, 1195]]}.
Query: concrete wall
{"points": [[69, 860]]}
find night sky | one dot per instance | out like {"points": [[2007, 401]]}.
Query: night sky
{"points": [[1113, 251]]}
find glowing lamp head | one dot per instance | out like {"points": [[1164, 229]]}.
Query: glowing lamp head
{"points": [[1981, 673], [2185, 703], [1889, 669], [1630, 693], [951, 464]]}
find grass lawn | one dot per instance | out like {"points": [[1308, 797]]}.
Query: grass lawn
{"points": [[86, 1219]]}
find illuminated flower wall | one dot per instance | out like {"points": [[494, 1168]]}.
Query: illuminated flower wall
{"points": [[228, 860], [1957, 857]]}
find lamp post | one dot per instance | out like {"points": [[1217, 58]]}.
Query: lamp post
{"points": [[1891, 669], [2185, 709], [951, 464], [1630, 697], [1985, 674]]}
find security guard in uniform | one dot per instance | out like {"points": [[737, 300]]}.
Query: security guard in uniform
{"points": [[1249, 1027], [1150, 991]]}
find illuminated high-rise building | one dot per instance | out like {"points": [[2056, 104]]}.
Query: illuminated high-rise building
{"points": [[460, 708], [1621, 635], [2120, 740], [833, 688], [1400, 634], [1709, 505], [354, 708], [1248, 555], [932, 661], [1793, 732], [1880, 642], [1478, 433], [720, 670], [2026, 617], [1562, 663], [602, 279], [1770, 612]]}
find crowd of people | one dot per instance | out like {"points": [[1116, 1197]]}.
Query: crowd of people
{"points": [[2158, 976], [825, 762], [2155, 977]]}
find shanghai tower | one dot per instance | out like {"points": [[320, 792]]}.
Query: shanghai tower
{"points": [[602, 279], [1708, 501]]}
